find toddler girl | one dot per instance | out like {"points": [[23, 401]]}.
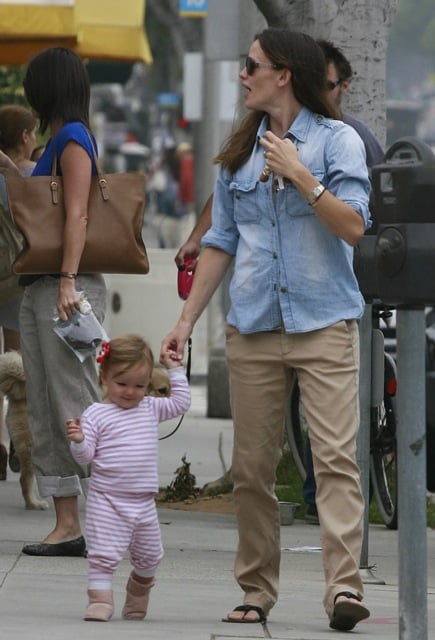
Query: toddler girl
{"points": [[119, 437]]}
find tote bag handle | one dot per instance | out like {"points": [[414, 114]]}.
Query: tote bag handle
{"points": [[102, 182]]}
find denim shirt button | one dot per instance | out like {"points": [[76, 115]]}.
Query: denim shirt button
{"points": [[283, 289], [274, 255]]}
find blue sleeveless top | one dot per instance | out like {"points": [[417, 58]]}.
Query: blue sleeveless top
{"points": [[71, 131]]}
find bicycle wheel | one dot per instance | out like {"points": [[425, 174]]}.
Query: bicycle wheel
{"points": [[383, 451], [296, 429]]}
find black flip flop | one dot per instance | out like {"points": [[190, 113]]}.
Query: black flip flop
{"points": [[346, 613], [245, 608]]}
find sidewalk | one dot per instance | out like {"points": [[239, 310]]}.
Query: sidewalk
{"points": [[44, 598]]}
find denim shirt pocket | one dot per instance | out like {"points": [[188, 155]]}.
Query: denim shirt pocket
{"points": [[295, 204], [245, 199]]}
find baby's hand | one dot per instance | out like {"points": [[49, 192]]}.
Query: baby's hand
{"points": [[74, 431], [169, 359]]}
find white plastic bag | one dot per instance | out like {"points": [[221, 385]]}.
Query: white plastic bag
{"points": [[82, 333]]}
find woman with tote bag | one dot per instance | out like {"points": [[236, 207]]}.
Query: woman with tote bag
{"points": [[59, 386]]}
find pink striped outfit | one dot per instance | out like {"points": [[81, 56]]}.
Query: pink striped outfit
{"points": [[122, 447]]}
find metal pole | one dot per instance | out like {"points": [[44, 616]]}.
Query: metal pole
{"points": [[411, 464], [363, 442], [221, 89]]}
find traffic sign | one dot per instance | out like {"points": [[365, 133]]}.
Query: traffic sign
{"points": [[193, 8]]}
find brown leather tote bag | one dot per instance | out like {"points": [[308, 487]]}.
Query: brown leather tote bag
{"points": [[114, 242]]}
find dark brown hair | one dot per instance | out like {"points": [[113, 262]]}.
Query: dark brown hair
{"points": [[56, 84], [299, 53], [335, 56]]}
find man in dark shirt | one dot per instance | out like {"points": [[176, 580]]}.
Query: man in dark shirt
{"points": [[339, 75]]}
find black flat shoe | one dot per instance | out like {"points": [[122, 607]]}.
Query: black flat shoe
{"points": [[14, 461], [3, 462], [76, 547]]}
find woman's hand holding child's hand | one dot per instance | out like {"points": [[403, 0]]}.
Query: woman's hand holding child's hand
{"points": [[169, 359], [74, 431]]}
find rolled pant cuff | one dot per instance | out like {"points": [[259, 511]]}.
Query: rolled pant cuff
{"points": [[58, 487]]}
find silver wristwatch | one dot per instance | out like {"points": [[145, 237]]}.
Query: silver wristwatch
{"points": [[315, 194]]}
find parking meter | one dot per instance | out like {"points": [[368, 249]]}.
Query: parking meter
{"points": [[364, 266], [404, 209]]}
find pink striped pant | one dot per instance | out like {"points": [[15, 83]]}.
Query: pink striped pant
{"points": [[116, 524]]}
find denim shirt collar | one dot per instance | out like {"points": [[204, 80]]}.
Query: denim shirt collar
{"points": [[298, 130]]}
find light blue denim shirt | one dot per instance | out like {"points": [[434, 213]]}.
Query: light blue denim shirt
{"points": [[289, 268]]}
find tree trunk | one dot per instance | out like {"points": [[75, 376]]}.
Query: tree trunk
{"points": [[361, 29]]}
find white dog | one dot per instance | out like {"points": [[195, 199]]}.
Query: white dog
{"points": [[13, 386]]}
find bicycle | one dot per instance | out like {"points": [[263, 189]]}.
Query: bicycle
{"points": [[383, 445]]}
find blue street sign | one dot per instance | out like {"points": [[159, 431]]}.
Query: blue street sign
{"points": [[168, 99], [193, 8]]}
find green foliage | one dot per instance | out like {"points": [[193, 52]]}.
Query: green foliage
{"points": [[183, 486], [286, 471], [414, 26], [289, 483], [428, 37], [11, 85], [12, 92], [375, 517], [289, 488]]}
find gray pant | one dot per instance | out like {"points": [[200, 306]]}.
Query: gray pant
{"points": [[58, 385]]}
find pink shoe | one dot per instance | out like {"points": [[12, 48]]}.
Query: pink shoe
{"points": [[100, 607], [136, 602]]}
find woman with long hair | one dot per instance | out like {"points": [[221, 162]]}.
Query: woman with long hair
{"points": [[290, 202]]}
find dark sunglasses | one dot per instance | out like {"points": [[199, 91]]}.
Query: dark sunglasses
{"points": [[331, 85], [252, 64]]}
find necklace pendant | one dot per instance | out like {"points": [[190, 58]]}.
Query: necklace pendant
{"points": [[264, 175]]}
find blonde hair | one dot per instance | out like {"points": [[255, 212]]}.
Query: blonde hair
{"points": [[131, 350]]}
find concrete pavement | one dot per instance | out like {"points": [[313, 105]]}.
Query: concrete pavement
{"points": [[44, 598]]}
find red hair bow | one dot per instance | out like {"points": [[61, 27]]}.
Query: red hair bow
{"points": [[104, 352]]}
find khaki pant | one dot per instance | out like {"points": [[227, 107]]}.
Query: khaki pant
{"points": [[261, 367]]}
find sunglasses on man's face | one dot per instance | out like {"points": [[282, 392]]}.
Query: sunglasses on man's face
{"points": [[252, 64], [331, 85]]}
